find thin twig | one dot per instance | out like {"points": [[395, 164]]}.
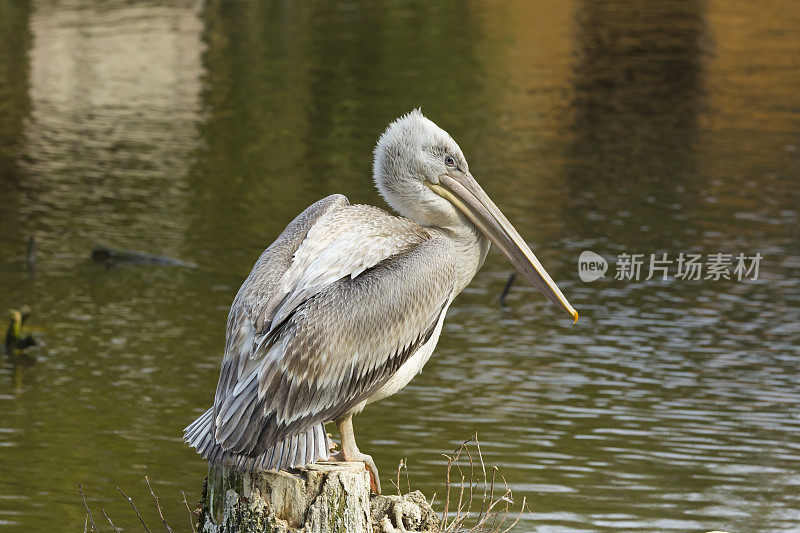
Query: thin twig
{"points": [[521, 512], [135, 509], [400, 465], [483, 469], [163, 521], [447, 493], [508, 498], [110, 522], [491, 486], [491, 493], [88, 511], [459, 519], [191, 516], [456, 456], [495, 509], [471, 474], [408, 481]]}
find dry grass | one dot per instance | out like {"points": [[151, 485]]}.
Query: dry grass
{"points": [[468, 481], [90, 527], [475, 501]]}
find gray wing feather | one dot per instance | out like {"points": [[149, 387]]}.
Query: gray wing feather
{"points": [[336, 349], [247, 314]]}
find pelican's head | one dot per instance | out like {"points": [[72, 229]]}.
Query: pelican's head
{"points": [[422, 173]]}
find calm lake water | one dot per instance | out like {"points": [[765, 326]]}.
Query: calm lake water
{"points": [[198, 130]]}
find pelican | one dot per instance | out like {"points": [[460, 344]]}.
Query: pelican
{"points": [[346, 306]]}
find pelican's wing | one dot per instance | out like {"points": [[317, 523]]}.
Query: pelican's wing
{"points": [[364, 290], [246, 314], [330, 240]]}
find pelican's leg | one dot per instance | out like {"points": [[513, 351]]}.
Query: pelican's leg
{"points": [[350, 451]]}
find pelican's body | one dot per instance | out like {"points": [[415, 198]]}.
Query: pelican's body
{"points": [[347, 305]]}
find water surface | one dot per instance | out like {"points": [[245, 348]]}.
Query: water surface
{"points": [[198, 131]]}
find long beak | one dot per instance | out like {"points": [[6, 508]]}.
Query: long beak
{"points": [[464, 192]]}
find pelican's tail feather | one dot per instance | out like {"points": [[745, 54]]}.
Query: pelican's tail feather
{"points": [[293, 452]]}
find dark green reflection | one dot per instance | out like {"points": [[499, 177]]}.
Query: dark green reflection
{"points": [[296, 96], [638, 93], [15, 104]]}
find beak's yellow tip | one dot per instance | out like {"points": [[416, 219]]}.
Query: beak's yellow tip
{"points": [[574, 317]]}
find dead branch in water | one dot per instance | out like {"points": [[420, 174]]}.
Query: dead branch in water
{"points": [[91, 527], [169, 529], [89, 516], [493, 514], [191, 515], [116, 529], [507, 288], [135, 509]]}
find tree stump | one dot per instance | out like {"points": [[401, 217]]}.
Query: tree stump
{"points": [[320, 498]]}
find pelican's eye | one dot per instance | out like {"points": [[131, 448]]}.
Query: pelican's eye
{"points": [[450, 162]]}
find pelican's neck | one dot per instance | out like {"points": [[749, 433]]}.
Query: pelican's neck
{"points": [[470, 247]]}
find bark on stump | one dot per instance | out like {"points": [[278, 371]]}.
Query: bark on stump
{"points": [[320, 498]]}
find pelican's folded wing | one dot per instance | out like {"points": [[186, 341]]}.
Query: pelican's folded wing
{"points": [[362, 293], [260, 286]]}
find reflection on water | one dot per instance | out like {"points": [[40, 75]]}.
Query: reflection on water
{"points": [[14, 98], [198, 131], [115, 102], [638, 95]]}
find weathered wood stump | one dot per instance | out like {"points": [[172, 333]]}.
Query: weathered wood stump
{"points": [[320, 498]]}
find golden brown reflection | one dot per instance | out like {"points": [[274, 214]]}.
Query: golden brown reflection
{"points": [[115, 100], [751, 143]]}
